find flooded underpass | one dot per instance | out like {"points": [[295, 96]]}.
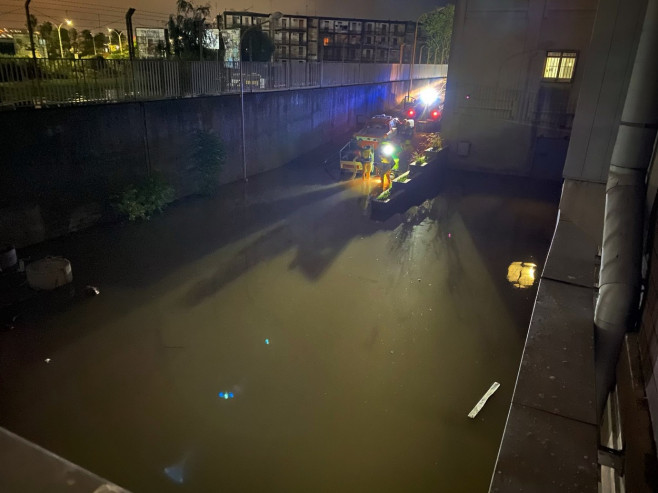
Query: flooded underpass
{"points": [[275, 338]]}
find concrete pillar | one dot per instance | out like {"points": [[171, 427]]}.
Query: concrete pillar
{"points": [[607, 70], [616, 307]]}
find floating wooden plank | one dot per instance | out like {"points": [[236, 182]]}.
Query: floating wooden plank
{"points": [[478, 407]]}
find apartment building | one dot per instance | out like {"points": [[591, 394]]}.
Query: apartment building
{"points": [[307, 38]]}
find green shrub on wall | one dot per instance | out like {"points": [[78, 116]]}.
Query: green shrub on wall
{"points": [[208, 159], [419, 158], [143, 200], [435, 141]]}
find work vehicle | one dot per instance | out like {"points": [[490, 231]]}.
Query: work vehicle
{"points": [[421, 111], [352, 157], [427, 109], [378, 129]]}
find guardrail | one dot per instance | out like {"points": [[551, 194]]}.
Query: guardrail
{"points": [[25, 82]]}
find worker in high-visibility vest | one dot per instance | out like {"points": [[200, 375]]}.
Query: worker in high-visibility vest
{"points": [[390, 162], [367, 162]]}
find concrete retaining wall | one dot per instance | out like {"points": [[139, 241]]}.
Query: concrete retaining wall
{"points": [[61, 166]]}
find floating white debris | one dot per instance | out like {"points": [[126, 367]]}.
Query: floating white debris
{"points": [[478, 407], [92, 291]]}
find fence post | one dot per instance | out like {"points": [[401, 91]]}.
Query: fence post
{"points": [[146, 139], [129, 28]]}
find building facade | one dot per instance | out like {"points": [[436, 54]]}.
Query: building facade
{"points": [[337, 39], [16, 42], [568, 89], [515, 75]]}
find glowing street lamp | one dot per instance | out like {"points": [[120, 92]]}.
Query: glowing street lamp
{"points": [[413, 55], [118, 35], [59, 33]]}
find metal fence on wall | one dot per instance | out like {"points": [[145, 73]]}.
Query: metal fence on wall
{"points": [[42, 83]]}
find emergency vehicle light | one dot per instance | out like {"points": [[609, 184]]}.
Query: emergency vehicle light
{"points": [[428, 95], [435, 114], [411, 112]]}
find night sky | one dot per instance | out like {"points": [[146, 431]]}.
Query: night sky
{"points": [[100, 14]]}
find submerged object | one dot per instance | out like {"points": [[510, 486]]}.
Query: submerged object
{"points": [[91, 291], [49, 273]]}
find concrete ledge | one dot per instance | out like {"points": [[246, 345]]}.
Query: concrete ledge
{"points": [[550, 442], [557, 366], [571, 256], [545, 453], [26, 467]]}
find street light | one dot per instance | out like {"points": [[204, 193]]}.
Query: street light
{"points": [[59, 33], [118, 35], [274, 16], [420, 54], [413, 54], [413, 57]]}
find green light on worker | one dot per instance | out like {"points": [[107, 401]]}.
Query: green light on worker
{"points": [[387, 149]]}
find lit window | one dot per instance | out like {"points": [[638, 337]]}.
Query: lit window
{"points": [[560, 66], [325, 41]]}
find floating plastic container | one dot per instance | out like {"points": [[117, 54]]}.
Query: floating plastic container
{"points": [[49, 273]]}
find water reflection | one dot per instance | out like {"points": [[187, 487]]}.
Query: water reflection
{"points": [[176, 472], [521, 274]]}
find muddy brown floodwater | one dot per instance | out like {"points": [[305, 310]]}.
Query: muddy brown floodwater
{"points": [[274, 338]]}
